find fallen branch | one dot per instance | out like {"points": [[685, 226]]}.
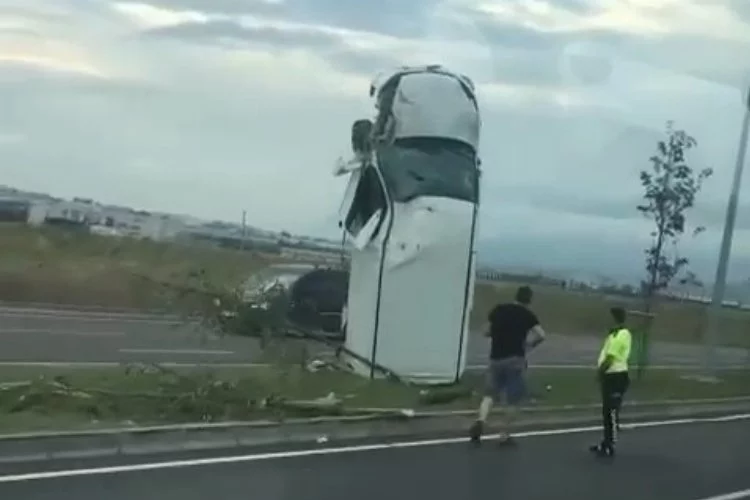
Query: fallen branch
{"points": [[225, 309]]}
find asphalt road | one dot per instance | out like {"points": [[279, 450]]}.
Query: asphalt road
{"points": [[706, 461], [68, 336]]}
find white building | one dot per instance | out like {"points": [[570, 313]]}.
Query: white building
{"points": [[76, 211], [110, 220], [125, 221], [314, 256]]}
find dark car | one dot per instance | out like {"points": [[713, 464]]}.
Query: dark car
{"points": [[317, 294]]}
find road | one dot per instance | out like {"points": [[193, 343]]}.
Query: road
{"points": [[68, 336], [705, 461]]}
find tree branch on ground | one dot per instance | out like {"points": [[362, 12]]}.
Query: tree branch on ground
{"points": [[265, 317]]}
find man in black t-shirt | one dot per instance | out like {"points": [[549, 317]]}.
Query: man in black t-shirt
{"points": [[514, 330]]}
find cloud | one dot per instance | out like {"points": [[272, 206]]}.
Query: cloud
{"points": [[740, 8], [11, 138], [212, 107], [232, 34], [388, 17], [270, 36]]}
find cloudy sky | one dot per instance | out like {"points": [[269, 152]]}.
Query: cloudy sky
{"points": [[210, 107]]}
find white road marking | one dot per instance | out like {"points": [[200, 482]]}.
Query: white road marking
{"points": [[176, 364], [33, 312], [737, 495], [187, 352], [116, 364], [574, 366], [81, 318], [258, 457], [47, 331]]}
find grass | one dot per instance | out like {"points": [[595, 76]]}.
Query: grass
{"points": [[96, 397], [57, 266], [578, 313], [580, 387]]}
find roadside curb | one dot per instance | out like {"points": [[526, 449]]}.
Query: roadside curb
{"points": [[387, 424]]}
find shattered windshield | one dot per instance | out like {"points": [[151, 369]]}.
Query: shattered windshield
{"points": [[429, 167]]}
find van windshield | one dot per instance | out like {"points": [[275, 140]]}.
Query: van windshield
{"points": [[429, 167]]}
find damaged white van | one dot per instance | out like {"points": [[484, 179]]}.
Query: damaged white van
{"points": [[410, 213]]}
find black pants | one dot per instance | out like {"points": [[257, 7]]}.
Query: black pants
{"points": [[613, 386]]}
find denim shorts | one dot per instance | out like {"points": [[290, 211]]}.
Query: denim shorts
{"points": [[507, 376]]}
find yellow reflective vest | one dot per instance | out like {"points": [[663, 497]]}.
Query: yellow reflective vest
{"points": [[617, 344]]}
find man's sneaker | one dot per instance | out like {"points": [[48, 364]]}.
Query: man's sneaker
{"points": [[475, 432], [602, 450]]}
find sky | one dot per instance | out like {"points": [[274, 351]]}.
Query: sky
{"points": [[212, 107]]}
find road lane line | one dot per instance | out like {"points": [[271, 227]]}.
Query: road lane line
{"points": [[48, 331], [178, 364], [737, 495], [186, 352], [259, 457], [67, 312], [580, 366], [98, 319], [116, 364]]}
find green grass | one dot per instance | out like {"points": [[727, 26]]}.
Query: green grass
{"points": [[580, 387], [98, 397], [53, 265], [58, 266], [579, 313], [253, 382]]}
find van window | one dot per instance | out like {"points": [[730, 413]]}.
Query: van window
{"points": [[415, 167], [368, 199]]}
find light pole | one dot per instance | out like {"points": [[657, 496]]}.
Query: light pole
{"points": [[720, 282], [244, 230]]}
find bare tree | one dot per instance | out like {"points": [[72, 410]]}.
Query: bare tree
{"points": [[670, 189]]}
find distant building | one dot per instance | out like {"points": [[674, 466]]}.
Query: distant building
{"points": [[110, 220], [113, 220], [314, 256], [140, 224], [72, 211], [13, 209]]}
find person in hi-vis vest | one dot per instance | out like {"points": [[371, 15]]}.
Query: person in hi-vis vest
{"points": [[614, 380]]}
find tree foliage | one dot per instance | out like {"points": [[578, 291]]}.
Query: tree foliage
{"points": [[670, 187], [691, 280]]}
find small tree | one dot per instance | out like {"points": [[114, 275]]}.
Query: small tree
{"points": [[670, 188]]}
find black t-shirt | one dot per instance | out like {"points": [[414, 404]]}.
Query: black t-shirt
{"points": [[509, 325]]}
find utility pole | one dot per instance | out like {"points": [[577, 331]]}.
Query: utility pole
{"points": [[714, 312], [244, 230]]}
